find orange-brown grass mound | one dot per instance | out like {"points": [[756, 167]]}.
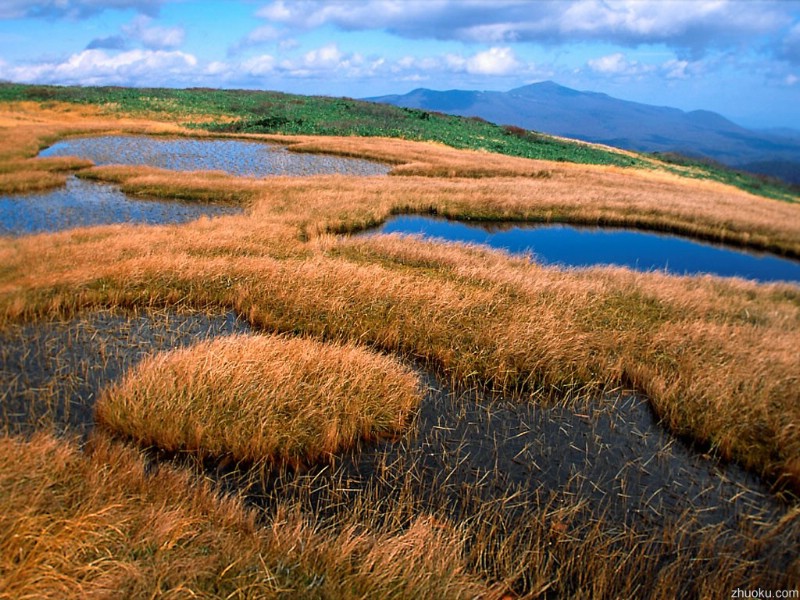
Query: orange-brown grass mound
{"points": [[96, 525], [261, 399]]}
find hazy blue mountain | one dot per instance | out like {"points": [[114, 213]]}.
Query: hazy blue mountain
{"points": [[551, 108], [787, 132]]}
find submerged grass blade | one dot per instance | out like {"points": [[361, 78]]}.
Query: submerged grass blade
{"points": [[75, 525]]}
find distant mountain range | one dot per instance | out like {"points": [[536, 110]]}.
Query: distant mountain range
{"points": [[551, 108]]}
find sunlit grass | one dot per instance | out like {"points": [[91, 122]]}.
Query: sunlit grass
{"points": [[716, 359], [75, 525], [261, 399]]}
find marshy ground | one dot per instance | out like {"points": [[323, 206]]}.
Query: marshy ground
{"points": [[600, 433], [530, 488]]}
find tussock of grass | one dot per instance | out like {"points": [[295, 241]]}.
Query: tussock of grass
{"points": [[23, 176], [52, 373], [261, 399], [98, 525], [30, 181], [194, 186]]}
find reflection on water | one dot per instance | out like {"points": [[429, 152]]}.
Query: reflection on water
{"points": [[237, 157], [583, 247], [83, 203]]}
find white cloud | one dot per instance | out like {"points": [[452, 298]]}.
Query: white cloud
{"points": [[618, 65], [96, 67], [153, 36], [369, 14], [326, 57], [681, 24], [265, 33], [499, 62], [217, 67], [491, 33], [494, 61], [613, 63], [288, 44], [258, 66], [259, 36], [331, 62], [277, 11], [676, 69]]}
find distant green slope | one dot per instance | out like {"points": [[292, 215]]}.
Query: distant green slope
{"points": [[274, 112], [244, 111]]}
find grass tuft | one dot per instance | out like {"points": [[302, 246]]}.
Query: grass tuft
{"points": [[261, 399], [75, 525]]}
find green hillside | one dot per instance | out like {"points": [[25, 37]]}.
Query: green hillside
{"points": [[246, 111]]}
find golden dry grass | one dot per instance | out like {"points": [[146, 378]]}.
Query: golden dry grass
{"points": [[391, 517], [717, 359], [261, 399], [97, 525], [519, 189], [592, 196], [705, 351]]}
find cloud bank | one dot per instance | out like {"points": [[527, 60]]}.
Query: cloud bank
{"points": [[687, 26], [369, 47]]}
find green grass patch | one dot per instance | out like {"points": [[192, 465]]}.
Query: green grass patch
{"points": [[701, 168], [251, 111], [243, 111]]}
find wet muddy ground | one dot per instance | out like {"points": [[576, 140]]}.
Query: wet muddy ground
{"points": [[51, 373]]}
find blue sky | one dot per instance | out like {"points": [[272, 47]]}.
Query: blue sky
{"points": [[739, 58]]}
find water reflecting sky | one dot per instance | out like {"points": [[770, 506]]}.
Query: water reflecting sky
{"points": [[238, 157], [583, 247]]}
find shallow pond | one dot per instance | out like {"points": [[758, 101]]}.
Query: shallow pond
{"points": [[82, 203], [238, 157], [607, 452], [583, 247]]}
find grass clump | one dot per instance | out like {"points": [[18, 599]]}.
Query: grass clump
{"points": [[97, 524], [33, 175], [261, 399]]}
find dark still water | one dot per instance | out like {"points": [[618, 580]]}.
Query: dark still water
{"points": [[238, 157], [84, 203], [584, 247]]}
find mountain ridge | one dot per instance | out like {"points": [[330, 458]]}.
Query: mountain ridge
{"points": [[598, 117]]}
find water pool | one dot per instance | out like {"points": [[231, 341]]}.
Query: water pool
{"points": [[83, 203], [238, 157], [583, 247]]}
